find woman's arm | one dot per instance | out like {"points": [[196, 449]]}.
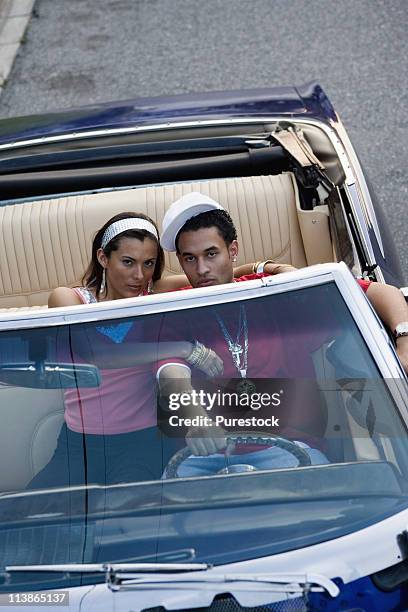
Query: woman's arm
{"points": [[91, 346], [177, 281], [63, 296]]}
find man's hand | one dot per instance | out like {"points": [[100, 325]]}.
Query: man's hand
{"points": [[203, 441], [402, 351], [205, 359]]}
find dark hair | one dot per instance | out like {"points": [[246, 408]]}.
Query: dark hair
{"points": [[93, 275], [212, 218]]}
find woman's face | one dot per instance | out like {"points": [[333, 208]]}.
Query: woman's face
{"points": [[130, 268]]}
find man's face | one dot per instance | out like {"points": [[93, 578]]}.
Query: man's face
{"points": [[205, 258]]}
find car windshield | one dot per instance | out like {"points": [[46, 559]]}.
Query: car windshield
{"points": [[94, 461]]}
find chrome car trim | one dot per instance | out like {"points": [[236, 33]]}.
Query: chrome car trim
{"points": [[136, 129], [330, 132], [152, 304], [273, 582], [349, 557], [365, 198], [111, 567], [358, 211]]}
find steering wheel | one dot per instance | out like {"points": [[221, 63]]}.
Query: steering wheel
{"points": [[242, 438]]}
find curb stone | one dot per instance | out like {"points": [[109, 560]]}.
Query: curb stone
{"points": [[14, 18]]}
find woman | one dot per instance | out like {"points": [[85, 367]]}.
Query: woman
{"points": [[120, 266], [114, 425], [127, 260]]}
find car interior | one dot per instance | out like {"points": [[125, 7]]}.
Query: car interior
{"points": [[56, 196], [277, 205]]}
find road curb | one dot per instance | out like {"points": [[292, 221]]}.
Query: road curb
{"points": [[14, 18]]}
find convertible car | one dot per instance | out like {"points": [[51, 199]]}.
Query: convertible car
{"points": [[298, 534]]}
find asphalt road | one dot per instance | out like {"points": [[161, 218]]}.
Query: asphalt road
{"points": [[83, 51]]}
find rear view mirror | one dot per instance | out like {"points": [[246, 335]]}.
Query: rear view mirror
{"points": [[47, 375]]}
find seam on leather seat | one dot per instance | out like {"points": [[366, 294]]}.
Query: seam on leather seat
{"points": [[8, 287], [292, 243], [30, 238], [79, 221], [261, 203], [240, 213], [39, 255], [45, 205], [253, 219], [282, 253], [256, 197], [61, 268], [268, 213], [70, 241], [65, 262], [287, 216], [15, 282], [19, 241]]}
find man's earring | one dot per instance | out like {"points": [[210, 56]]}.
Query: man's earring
{"points": [[103, 282], [234, 259]]}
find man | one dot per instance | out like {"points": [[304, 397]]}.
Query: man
{"points": [[204, 238]]}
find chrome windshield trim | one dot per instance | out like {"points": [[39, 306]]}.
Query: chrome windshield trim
{"points": [[139, 129], [163, 302], [111, 567], [276, 583], [360, 217], [365, 197]]}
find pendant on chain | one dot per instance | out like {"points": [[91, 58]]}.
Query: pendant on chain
{"points": [[246, 385]]}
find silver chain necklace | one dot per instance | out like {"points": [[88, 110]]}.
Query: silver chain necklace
{"points": [[239, 355]]}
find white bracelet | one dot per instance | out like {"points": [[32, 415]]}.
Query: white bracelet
{"points": [[260, 268]]}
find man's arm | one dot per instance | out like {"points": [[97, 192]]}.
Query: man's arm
{"points": [[391, 307], [178, 281], [270, 268]]}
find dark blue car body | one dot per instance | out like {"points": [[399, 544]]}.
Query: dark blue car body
{"points": [[309, 100]]}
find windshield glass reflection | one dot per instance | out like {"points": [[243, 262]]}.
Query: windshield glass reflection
{"points": [[94, 460]]}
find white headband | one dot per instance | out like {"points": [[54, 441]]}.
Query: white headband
{"points": [[127, 224]]}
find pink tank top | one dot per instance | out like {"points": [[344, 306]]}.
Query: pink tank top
{"points": [[126, 399]]}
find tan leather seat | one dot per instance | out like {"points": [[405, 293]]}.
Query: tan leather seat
{"points": [[31, 420], [48, 243]]}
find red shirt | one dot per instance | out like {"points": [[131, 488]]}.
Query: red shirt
{"points": [[275, 350]]}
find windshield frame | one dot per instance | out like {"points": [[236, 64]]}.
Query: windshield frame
{"points": [[363, 314]]}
